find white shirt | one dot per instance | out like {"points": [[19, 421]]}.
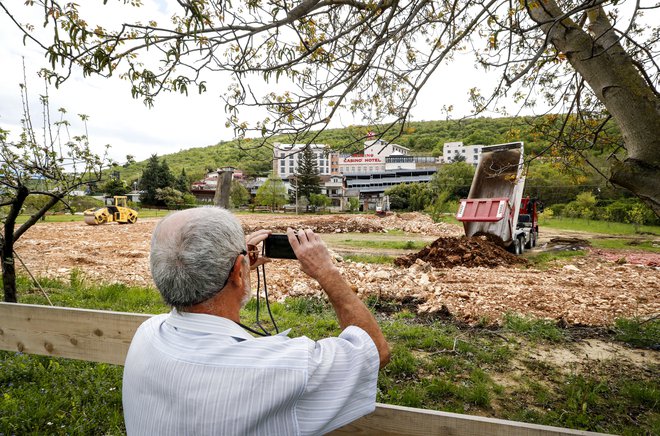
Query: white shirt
{"points": [[195, 374]]}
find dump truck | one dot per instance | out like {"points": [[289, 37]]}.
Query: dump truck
{"points": [[495, 206], [118, 212]]}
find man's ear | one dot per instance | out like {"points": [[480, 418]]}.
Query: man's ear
{"points": [[236, 275]]}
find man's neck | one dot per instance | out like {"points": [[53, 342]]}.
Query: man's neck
{"points": [[221, 304]]}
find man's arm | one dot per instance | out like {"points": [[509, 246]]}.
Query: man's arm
{"points": [[315, 261]]}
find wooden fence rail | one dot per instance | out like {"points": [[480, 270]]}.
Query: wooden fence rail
{"points": [[102, 336]]}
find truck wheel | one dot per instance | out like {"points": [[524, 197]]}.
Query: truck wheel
{"points": [[516, 247], [521, 244], [535, 239], [532, 240]]}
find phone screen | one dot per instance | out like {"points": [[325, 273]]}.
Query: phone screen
{"points": [[277, 246]]}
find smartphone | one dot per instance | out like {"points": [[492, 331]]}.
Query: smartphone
{"points": [[277, 246]]}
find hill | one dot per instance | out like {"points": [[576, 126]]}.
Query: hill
{"points": [[426, 137]]}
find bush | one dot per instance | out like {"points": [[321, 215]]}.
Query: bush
{"points": [[397, 202], [558, 209], [630, 210], [584, 206], [82, 203], [441, 205], [78, 204], [571, 210], [353, 204], [413, 196], [547, 214]]}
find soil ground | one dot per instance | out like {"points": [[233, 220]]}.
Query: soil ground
{"points": [[592, 290], [585, 293]]}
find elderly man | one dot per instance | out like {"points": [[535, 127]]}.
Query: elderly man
{"points": [[195, 371]]}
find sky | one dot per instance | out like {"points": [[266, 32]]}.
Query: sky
{"points": [[176, 122]]}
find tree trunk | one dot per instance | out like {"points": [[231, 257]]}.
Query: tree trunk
{"points": [[7, 252], [9, 272], [615, 80]]}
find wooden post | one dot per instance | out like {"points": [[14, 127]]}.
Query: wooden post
{"points": [[223, 188]]}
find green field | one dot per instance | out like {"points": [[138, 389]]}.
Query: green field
{"points": [[594, 226]]}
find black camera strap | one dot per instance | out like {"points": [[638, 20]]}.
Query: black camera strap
{"points": [[264, 331], [270, 313]]}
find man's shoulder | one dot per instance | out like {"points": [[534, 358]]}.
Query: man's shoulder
{"points": [[152, 322]]}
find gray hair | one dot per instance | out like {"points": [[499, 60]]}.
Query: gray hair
{"points": [[193, 252]]}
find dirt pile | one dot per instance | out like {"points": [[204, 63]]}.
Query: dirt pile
{"points": [[467, 252]]}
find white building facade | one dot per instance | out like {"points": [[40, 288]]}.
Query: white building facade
{"points": [[452, 150], [372, 159], [287, 156]]}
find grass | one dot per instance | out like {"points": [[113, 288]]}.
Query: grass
{"points": [[76, 293], [625, 244], [41, 395], [435, 365], [369, 258], [533, 328], [639, 333], [594, 226], [377, 244], [544, 259]]}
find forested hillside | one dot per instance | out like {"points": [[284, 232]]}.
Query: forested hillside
{"points": [[425, 137]]}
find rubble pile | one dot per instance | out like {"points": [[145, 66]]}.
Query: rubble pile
{"points": [[587, 292], [472, 252], [412, 222]]}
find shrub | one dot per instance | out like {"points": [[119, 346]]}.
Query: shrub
{"points": [[353, 204], [630, 210], [558, 209]]}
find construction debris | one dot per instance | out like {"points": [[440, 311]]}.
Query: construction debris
{"points": [[412, 222], [591, 290]]}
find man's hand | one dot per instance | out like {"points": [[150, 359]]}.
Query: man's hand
{"points": [[316, 262], [253, 240], [313, 255]]}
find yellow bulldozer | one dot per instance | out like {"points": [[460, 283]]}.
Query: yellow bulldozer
{"points": [[118, 212]]}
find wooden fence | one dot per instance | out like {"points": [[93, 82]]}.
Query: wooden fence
{"points": [[102, 336]]}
